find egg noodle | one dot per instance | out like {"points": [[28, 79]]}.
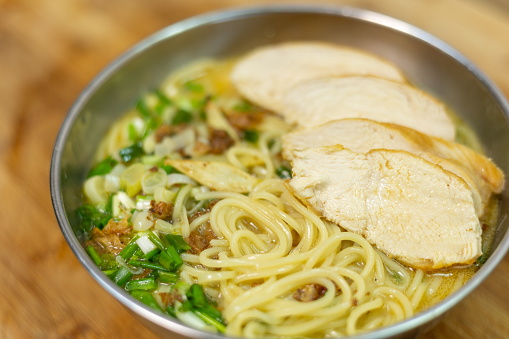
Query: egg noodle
{"points": [[274, 267]]}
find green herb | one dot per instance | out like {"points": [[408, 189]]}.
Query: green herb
{"points": [[251, 136], [168, 169], [193, 86], [151, 254], [199, 304], [196, 295], [206, 314], [130, 249], [396, 277], [162, 102], [142, 108], [131, 152], [132, 133], [109, 262], [482, 259], [91, 216], [200, 103], [155, 239], [284, 172], [96, 258], [103, 167], [146, 264], [152, 115], [167, 277], [122, 276], [170, 259], [171, 311], [182, 117], [110, 272], [163, 99], [146, 284], [243, 106], [202, 114], [147, 298], [151, 125], [178, 242]]}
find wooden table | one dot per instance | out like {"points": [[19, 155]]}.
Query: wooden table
{"points": [[50, 49]]}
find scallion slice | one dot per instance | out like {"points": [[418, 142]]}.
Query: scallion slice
{"points": [[145, 284]]}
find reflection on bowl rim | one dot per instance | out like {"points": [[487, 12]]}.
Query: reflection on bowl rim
{"points": [[427, 316]]}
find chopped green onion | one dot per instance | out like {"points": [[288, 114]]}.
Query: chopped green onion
{"points": [[130, 249], [193, 86], [251, 136], [147, 298], [151, 254], [197, 296], [146, 284], [143, 109], [163, 99], [202, 115], [131, 152], [181, 117], [152, 159], [284, 172], [96, 258], [186, 306], [103, 167], [243, 106], [162, 103], [198, 304], [122, 276], [482, 259], [110, 273], [178, 242], [146, 264], [151, 125], [168, 277], [170, 259], [167, 168], [199, 104], [171, 311], [91, 216], [209, 319], [132, 133], [155, 239], [145, 244]]}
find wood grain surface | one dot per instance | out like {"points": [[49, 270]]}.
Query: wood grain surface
{"points": [[50, 50]]}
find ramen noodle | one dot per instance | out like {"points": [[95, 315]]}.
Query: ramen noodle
{"points": [[187, 208]]}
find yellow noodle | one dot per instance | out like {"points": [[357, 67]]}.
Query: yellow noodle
{"points": [[271, 248], [351, 325]]}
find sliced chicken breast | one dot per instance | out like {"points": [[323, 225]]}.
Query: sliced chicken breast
{"points": [[362, 135], [317, 101], [411, 209], [265, 74]]}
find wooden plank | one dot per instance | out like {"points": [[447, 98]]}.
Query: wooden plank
{"points": [[50, 49]]}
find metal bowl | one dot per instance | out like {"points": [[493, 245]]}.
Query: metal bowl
{"points": [[428, 62]]}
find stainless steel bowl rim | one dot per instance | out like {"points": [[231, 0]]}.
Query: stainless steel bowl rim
{"points": [[218, 16]]}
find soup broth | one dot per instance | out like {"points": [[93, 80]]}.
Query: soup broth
{"points": [[234, 251]]}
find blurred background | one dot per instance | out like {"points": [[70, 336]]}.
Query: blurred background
{"points": [[51, 49]]}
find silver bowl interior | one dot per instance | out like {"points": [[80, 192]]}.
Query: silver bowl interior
{"points": [[428, 62]]}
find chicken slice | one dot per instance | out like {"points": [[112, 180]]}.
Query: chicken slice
{"points": [[320, 100], [411, 209], [219, 176], [362, 135], [265, 74]]}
